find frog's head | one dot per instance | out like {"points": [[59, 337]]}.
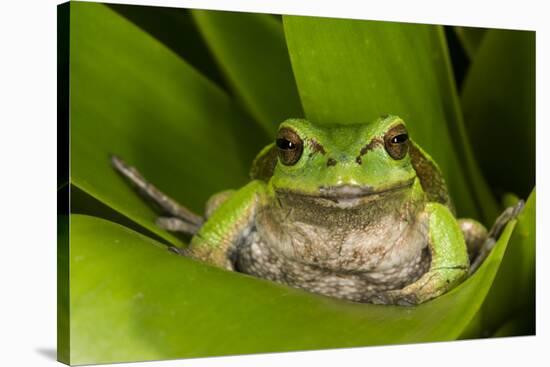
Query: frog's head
{"points": [[343, 164]]}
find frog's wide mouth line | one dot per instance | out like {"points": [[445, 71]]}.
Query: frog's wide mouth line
{"points": [[348, 192]]}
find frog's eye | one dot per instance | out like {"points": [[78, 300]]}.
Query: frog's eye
{"points": [[396, 142], [289, 146]]}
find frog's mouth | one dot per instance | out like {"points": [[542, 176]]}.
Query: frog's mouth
{"points": [[347, 196]]}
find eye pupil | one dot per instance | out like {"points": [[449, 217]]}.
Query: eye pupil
{"points": [[399, 139], [285, 144]]}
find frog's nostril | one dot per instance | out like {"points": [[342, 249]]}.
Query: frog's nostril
{"points": [[331, 162]]}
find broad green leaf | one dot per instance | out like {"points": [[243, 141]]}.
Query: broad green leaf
{"points": [[512, 293], [498, 101], [63, 284], [351, 71], [251, 50], [131, 299], [83, 203], [471, 38], [174, 28], [510, 304], [134, 97], [474, 329]]}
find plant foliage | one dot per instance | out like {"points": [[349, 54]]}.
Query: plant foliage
{"points": [[190, 108]]}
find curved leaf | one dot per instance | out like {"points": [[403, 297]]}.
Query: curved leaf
{"points": [[351, 71], [510, 304], [251, 50], [516, 327], [132, 96], [512, 293], [131, 299], [498, 101], [63, 289], [174, 28]]}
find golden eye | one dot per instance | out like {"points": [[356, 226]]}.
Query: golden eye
{"points": [[289, 146], [396, 142]]}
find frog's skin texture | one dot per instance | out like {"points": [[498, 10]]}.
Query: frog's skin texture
{"points": [[343, 211]]}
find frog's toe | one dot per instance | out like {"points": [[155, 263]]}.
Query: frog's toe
{"points": [[386, 298], [408, 300], [507, 215], [173, 224], [494, 234], [518, 207], [399, 297], [378, 300]]}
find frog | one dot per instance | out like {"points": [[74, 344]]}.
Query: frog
{"points": [[358, 212]]}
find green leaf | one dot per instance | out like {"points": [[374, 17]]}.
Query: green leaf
{"points": [[470, 38], [513, 291], [63, 289], [251, 50], [174, 28], [498, 101], [516, 327], [351, 71], [131, 299], [83, 203], [134, 97]]}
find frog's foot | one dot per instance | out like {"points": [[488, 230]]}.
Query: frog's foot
{"points": [[181, 219], [173, 224], [500, 223], [178, 250], [430, 285], [475, 235]]}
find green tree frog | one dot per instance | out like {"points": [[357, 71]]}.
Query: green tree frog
{"points": [[358, 212]]}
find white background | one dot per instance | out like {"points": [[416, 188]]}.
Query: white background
{"points": [[28, 181]]}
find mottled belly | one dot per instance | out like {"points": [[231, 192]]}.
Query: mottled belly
{"points": [[253, 256]]}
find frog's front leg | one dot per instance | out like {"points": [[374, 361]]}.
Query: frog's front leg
{"points": [[449, 260], [216, 241]]}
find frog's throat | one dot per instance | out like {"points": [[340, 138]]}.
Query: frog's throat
{"points": [[349, 193]]}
